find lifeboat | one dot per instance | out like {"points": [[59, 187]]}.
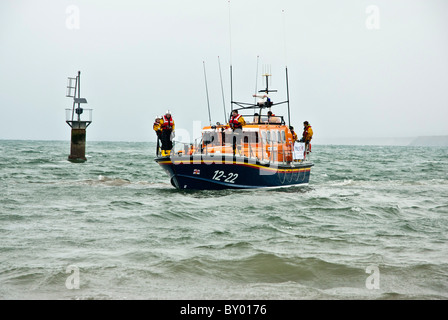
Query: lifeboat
{"points": [[261, 154]]}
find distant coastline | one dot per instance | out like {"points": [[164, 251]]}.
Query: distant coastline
{"points": [[422, 141]]}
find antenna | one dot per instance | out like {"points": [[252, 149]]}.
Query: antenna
{"points": [[230, 35], [230, 48], [267, 74], [286, 66], [256, 81], [284, 34], [206, 90], [287, 97], [222, 91], [231, 90]]}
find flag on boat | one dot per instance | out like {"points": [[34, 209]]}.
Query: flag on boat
{"points": [[299, 150], [196, 171]]}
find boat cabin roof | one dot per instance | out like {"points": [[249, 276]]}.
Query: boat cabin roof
{"points": [[254, 123]]}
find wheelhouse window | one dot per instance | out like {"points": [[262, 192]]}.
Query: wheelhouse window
{"points": [[250, 137], [210, 138]]}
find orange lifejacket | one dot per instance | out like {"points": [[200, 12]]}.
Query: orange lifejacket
{"points": [[294, 135], [167, 123], [234, 120]]}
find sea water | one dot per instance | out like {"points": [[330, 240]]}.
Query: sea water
{"points": [[371, 224]]}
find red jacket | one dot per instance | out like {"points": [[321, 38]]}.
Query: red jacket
{"points": [[167, 124], [235, 121]]}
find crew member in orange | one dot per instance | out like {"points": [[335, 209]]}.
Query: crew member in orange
{"points": [[294, 134], [188, 149], [307, 135], [156, 127], [191, 150], [236, 122], [272, 118], [167, 126]]}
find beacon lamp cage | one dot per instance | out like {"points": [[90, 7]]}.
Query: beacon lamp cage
{"points": [[78, 117]]}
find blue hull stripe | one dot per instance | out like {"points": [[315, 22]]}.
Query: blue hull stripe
{"points": [[206, 175]]}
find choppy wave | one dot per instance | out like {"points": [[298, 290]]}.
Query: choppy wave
{"points": [[132, 235]]}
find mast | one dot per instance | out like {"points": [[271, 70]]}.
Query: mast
{"points": [[231, 89], [286, 66], [206, 90], [78, 110], [267, 90], [230, 54], [287, 98], [222, 91], [256, 81]]}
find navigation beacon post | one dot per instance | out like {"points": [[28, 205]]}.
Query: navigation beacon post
{"points": [[78, 119]]}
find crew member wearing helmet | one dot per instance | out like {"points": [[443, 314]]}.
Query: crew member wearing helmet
{"points": [[167, 127], [156, 126], [236, 122], [158, 130]]}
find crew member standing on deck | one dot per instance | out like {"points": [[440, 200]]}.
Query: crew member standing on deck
{"points": [[156, 126], [294, 134], [272, 118], [167, 127], [307, 135], [158, 130], [236, 122]]}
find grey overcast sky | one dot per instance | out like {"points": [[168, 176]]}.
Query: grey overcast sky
{"points": [[376, 68]]}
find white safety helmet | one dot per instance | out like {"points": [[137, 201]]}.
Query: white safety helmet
{"points": [[168, 112]]}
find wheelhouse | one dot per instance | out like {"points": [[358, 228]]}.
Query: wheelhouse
{"points": [[264, 139]]}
